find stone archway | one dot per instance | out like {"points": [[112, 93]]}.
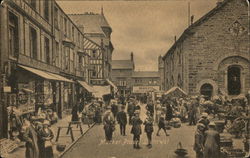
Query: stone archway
{"points": [[206, 90], [207, 82]]}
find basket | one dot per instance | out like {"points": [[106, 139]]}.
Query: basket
{"points": [[180, 151]]}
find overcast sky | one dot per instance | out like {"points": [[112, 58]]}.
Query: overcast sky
{"points": [[146, 28]]}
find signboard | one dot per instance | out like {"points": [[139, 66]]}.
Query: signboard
{"points": [[7, 89], [145, 89]]}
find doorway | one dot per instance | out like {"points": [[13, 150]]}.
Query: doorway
{"points": [[206, 90], [233, 80]]}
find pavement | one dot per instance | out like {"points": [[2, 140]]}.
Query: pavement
{"points": [[93, 144], [20, 152]]}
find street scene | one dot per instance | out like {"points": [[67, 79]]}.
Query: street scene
{"points": [[125, 79]]}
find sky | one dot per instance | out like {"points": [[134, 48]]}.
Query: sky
{"points": [[146, 28]]}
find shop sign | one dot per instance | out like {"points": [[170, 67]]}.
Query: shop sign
{"points": [[6, 89], [145, 89]]}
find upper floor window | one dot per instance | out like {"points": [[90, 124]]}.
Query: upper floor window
{"points": [[56, 55], [65, 26], [33, 3], [47, 50], [33, 43], [94, 54], [13, 35], [73, 33], [56, 17], [46, 9]]}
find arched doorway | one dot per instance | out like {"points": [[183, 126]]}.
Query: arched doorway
{"points": [[206, 90], [233, 80]]}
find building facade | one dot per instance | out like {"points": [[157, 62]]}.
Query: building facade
{"points": [[97, 29], [212, 55], [122, 71], [42, 58], [145, 81]]}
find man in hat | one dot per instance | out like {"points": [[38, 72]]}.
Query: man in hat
{"points": [[122, 120], [136, 129], [109, 124], [158, 109], [130, 110], [149, 121], [212, 142], [204, 120], [114, 108], [199, 140], [162, 125], [150, 107]]}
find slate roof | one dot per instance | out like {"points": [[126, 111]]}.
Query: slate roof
{"points": [[188, 31], [122, 64], [140, 74], [91, 22]]}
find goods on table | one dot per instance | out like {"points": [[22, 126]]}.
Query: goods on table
{"points": [[226, 141], [232, 153], [7, 146]]}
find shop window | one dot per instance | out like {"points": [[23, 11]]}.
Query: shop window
{"points": [[47, 50], [234, 85], [13, 35], [33, 43], [46, 9], [56, 17]]}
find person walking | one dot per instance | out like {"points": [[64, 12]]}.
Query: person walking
{"points": [[30, 137], [169, 113], [150, 107], [199, 140], [158, 110], [114, 108], [149, 128], [192, 114], [212, 142], [75, 113], [109, 124], [45, 136], [122, 120], [136, 129], [162, 125], [130, 110]]}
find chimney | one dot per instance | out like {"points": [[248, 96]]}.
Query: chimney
{"points": [[219, 2], [192, 19], [174, 39], [132, 56]]}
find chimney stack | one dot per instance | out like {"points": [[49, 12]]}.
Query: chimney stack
{"points": [[192, 19], [219, 2], [174, 39], [132, 56]]}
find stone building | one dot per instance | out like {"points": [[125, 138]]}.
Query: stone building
{"points": [[212, 55], [122, 71], [97, 29], [145, 81], [161, 72]]}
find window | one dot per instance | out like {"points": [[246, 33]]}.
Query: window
{"points": [[65, 26], [33, 43], [234, 80], [66, 59], [33, 3], [94, 53], [46, 50], [46, 9], [13, 35], [71, 58], [73, 33], [56, 55], [56, 17]]}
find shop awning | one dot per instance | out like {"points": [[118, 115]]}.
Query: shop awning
{"points": [[86, 86], [101, 90], [112, 84], [46, 75]]}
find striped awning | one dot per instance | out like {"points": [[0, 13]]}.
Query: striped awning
{"points": [[88, 44], [86, 86]]}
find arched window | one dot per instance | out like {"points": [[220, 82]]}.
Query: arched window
{"points": [[233, 80], [206, 90]]}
